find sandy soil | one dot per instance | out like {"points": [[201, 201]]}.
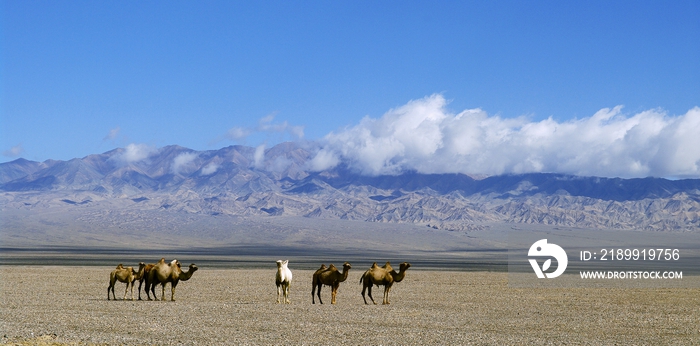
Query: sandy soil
{"points": [[68, 305]]}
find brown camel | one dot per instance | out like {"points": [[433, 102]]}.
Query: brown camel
{"points": [[127, 275], [314, 281], [330, 277], [385, 276], [144, 277], [168, 272]]}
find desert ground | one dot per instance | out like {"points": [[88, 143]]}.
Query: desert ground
{"points": [[67, 305]]}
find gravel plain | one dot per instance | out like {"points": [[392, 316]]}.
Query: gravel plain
{"points": [[67, 305]]}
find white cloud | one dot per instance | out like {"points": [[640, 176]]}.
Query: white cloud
{"points": [[134, 153], [259, 156], [113, 133], [15, 151], [324, 159], [237, 133], [268, 126], [182, 162], [209, 169], [424, 136]]}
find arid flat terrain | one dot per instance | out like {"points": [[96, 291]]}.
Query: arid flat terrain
{"points": [[59, 305]]}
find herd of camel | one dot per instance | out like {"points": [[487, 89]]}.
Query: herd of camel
{"points": [[152, 274], [171, 272]]}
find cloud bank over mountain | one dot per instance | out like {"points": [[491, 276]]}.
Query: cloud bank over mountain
{"points": [[426, 137]]}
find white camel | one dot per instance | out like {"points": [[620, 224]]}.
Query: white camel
{"points": [[283, 281]]}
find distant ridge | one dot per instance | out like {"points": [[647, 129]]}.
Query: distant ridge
{"points": [[235, 181]]}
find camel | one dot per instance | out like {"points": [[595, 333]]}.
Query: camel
{"points": [[127, 275], [283, 280], [314, 281], [330, 277], [385, 276], [144, 277], [168, 272]]}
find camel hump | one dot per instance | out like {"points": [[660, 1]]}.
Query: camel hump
{"points": [[162, 260], [374, 265], [120, 266], [323, 266], [332, 267]]}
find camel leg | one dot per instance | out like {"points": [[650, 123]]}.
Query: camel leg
{"points": [[279, 292], [334, 291], [140, 283], [126, 290], [369, 293], [112, 283], [172, 291], [386, 294], [318, 293], [286, 294], [364, 288], [162, 296]]}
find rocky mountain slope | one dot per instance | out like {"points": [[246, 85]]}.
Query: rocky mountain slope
{"points": [[246, 181]]}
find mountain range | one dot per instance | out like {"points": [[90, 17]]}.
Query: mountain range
{"points": [[252, 182]]}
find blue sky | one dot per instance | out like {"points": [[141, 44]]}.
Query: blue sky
{"points": [[79, 78]]}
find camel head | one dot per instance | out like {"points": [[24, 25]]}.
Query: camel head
{"points": [[398, 277], [346, 266], [282, 264], [184, 276]]}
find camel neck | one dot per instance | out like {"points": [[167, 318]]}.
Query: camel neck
{"points": [[184, 276], [398, 276], [345, 273]]}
